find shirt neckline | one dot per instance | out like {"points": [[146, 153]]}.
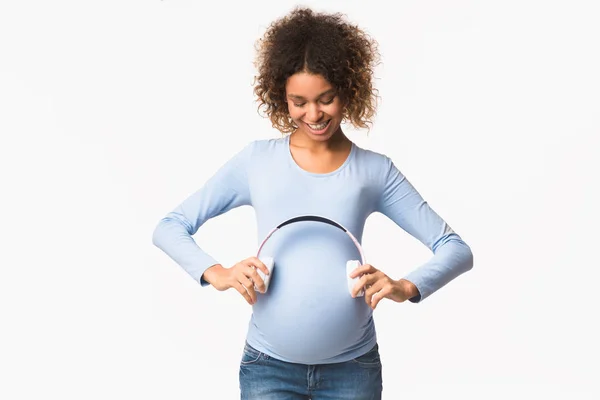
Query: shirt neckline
{"points": [[317, 174]]}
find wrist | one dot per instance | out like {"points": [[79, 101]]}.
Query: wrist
{"points": [[408, 288], [211, 273]]}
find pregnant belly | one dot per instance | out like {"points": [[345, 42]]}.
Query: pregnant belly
{"points": [[308, 313]]}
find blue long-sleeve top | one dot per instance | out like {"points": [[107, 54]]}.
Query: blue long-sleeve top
{"points": [[308, 315]]}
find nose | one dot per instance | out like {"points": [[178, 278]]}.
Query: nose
{"points": [[314, 113]]}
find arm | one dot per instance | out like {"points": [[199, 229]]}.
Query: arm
{"points": [[401, 202], [225, 190]]}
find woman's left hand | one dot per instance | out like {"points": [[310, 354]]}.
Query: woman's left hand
{"points": [[378, 285]]}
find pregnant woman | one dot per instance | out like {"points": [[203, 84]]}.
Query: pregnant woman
{"points": [[311, 335]]}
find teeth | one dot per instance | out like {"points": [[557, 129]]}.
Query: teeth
{"points": [[319, 127]]}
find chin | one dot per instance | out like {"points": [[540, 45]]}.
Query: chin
{"points": [[320, 138]]}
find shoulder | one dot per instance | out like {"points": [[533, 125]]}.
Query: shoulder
{"points": [[267, 145], [257, 147], [372, 160]]}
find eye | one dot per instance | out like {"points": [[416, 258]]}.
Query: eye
{"points": [[299, 105], [328, 101]]}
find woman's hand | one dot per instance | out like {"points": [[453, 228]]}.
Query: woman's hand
{"points": [[378, 285], [242, 276]]}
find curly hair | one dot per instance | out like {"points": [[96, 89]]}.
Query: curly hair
{"points": [[321, 44]]}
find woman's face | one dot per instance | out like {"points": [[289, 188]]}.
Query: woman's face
{"points": [[314, 105]]}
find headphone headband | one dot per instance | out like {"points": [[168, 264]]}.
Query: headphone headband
{"points": [[314, 218]]}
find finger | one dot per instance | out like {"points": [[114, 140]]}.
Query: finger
{"points": [[259, 283], [369, 292], [362, 269], [358, 286], [371, 288], [255, 261], [376, 298], [362, 283], [384, 291], [247, 283], [356, 289], [240, 288], [369, 279]]}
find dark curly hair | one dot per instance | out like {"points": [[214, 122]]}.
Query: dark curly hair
{"points": [[321, 44]]}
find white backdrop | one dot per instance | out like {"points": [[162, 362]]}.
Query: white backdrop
{"points": [[113, 112]]}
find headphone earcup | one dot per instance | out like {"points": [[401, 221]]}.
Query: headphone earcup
{"points": [[351, 265], [269, 263]]}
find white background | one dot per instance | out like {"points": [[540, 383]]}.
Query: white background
{"points": [[113, 112]]}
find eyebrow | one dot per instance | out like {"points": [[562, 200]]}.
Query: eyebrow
{"points": [[295, 96]]}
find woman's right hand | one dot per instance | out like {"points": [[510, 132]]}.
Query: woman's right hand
{"points": [[242, 276]]}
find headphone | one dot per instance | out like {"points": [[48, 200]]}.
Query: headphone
{"points": [[350, 264]]}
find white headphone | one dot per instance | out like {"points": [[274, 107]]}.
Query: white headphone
{"points": [[350, 264]]}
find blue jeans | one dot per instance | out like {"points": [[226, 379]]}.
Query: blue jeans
{"points": [[265, 378]]}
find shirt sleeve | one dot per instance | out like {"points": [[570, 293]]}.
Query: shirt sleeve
{"points": [[227, 189], [401, 202]]}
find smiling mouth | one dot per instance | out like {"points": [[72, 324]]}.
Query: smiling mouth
{"points": [[319, 128]]}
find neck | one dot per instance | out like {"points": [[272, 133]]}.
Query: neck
{"points": [[336, 141]]}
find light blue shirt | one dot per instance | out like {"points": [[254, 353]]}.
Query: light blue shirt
{"points": [[308, 315]]}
